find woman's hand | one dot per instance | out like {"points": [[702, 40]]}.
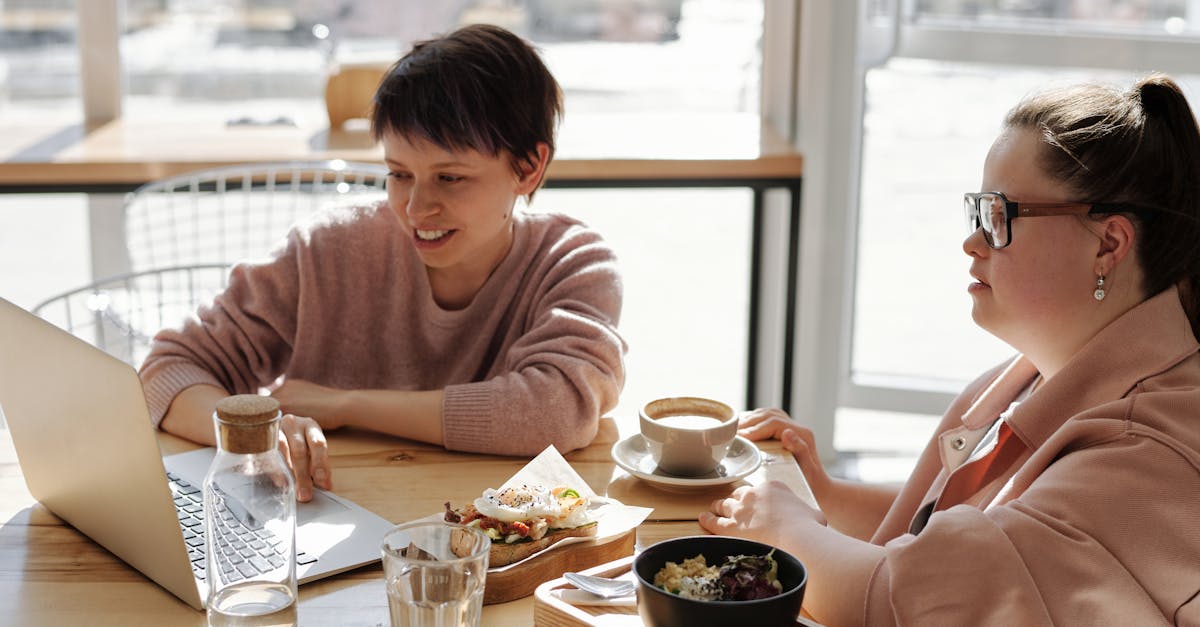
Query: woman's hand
{"points": [[305, 398], [769, 513], [303, 445], [764, 423], [839, 567]]}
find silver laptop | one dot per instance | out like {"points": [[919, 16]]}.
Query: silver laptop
{"points": [[83, 437]]}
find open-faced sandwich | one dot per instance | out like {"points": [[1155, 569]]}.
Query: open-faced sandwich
{"points": [[523, 520]]}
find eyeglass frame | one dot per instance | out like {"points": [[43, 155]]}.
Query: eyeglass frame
{"points": [[1014, 209]]}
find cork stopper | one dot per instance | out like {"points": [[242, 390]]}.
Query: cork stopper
{"points": [[247, 423]]}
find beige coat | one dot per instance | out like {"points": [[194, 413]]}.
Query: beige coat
{"points": [[1096, 523]]}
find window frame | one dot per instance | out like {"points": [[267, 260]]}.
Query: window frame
{"points": [[839, 43]]}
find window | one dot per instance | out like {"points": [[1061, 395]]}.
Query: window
{"points": [[263, 61], [927, 124], [685, 259], [39, 63], [39, 83], [928, 96], [636, 68], [926, 131], [44, 245]]}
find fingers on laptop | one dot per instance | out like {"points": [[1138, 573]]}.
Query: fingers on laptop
{"points": [[318, 455], [304, 447]]}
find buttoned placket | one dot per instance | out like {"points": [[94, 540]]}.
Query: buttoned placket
{"points": [[960, 448], [956, 447]]}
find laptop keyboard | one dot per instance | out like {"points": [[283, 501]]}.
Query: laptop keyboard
{"points": [[252, 551]]}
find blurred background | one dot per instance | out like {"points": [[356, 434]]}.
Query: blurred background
{"points": [[916, 102]]}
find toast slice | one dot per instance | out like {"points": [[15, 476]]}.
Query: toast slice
{"points": [[503, 553]]}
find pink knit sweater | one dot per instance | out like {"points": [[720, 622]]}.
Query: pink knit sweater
{"points": [[535, 359]]}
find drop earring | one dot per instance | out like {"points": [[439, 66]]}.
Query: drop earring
{"points": [[1099, 294]]}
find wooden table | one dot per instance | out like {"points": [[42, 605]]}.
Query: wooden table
{"points": [[52, 575], [594, 150]]}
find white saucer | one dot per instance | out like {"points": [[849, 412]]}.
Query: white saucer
{"points": [[633, 455]]}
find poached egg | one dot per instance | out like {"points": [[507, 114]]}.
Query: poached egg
{"points": [[519, 503]]}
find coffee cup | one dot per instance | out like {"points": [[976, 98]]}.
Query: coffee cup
{"points": [[687, 436]]}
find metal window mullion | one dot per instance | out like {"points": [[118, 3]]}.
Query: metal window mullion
{"points": [[829, 125], [1130, 52], [771, 265], [769, 350]]}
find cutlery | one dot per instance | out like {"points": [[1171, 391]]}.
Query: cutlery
{"points": [[600, 586]]}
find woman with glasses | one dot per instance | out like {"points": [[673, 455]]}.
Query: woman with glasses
{"points": [[1063, 486]]}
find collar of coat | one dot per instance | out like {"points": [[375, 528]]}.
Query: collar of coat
{"points": [[1147, 340]]}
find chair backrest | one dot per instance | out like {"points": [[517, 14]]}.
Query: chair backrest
{"points": [[121, 314], [223, 215]]}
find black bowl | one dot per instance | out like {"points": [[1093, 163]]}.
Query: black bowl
{"points": [[659, 608]]}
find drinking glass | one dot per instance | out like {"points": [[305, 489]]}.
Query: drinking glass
{"points": [[428, 585]]}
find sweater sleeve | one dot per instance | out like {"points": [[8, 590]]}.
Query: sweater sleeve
{"points": [[241, 342], [1099, 538], [563, 372]]}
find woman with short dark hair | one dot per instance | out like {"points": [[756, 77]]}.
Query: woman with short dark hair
{"points": [[445, 314]]}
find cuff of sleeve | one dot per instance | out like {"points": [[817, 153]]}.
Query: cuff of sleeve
{"points": [[465, 417], [163, 383]]}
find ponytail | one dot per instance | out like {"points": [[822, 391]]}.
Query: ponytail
{"points": [[1138, 147], [1171, 243], [1158, 95]]}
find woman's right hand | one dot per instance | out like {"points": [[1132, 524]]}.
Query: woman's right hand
{"points": [[303, 446], [769, 422], [301, 440]]}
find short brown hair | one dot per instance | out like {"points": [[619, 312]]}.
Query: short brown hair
{"points": [[1140, 147], [480, 88]]}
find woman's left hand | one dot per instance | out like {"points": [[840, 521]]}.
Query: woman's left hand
{"points": [[769, 513], [305, 398]]}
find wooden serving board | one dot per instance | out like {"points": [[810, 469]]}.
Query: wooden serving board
{"points": [[551, 611], [521, 579]]}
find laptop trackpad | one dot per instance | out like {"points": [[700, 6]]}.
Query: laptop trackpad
{"points": [[321, 506]]}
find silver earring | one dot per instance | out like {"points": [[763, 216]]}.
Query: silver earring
{"points": [[1099, 294]]}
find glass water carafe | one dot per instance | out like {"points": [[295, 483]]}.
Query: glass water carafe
{"points": [[250, 517]]}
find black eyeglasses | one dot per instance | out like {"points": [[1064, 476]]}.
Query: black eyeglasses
{"points": [[995, 212]]}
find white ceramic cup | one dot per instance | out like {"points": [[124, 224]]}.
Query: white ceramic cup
{"points": [[687, 436]]}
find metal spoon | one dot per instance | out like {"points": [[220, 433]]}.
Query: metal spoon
{"points": [[601, 586]]}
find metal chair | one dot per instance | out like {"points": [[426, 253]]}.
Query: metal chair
{"points": [[223, 215], [121, 314]]}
